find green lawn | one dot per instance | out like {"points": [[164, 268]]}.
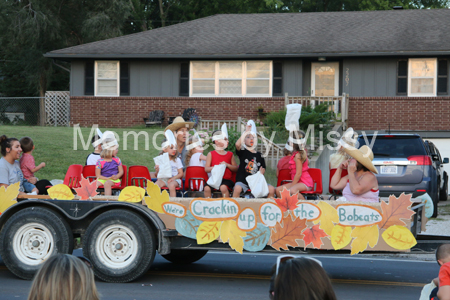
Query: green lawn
{"points": [[55, 146]]}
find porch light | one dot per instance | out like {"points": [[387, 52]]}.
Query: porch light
{"points": [[322, 58]]}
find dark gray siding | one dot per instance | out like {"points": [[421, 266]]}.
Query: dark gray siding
{"points": [[369, 77], [293, 77], [77, 78]]}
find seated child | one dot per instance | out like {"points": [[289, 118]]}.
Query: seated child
{"points": [[93, 157], [195, 157], [251, 162], [221, 156], [443, 259], [109, 168], [298, 164], [28, 165], [283, 163], [175, 162]]}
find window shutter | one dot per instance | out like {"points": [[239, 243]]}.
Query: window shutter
{"points": [[402, 77], [89, 78], [277, 89], [124, 79], [184, 79], [442, 81]]}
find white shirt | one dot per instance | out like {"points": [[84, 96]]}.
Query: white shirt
{"points": [[195, 160]]}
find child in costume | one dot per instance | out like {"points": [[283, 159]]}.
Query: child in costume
{"points": [[221, 156], [251, 161], [283, 163], [92, 158], [109, 168], [195, 157], [169, 147]]}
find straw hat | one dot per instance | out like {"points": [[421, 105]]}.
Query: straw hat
{"points": [[363, 155], [179, 123]]}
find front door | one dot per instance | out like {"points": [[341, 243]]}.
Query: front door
{"points": [[325, 79]]}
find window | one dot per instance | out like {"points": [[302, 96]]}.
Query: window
{"points": [[89, 78], [422, 77], [107, 78], [231, 78], [277, 79], [184, 79], [402, 77], [124, 79], [442, 81]]}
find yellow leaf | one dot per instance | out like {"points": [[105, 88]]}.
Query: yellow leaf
{"points": [[363, 236], [231, 233], [399, 237], [328, 216], [155, 198], [340, 236], [60, 192], [7, 196], [207, 232], [132, 194]]}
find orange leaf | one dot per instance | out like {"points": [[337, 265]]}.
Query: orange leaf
{"points": [[287, 202], [287, 233], [87, 189], [397, 209], [313, 235]]}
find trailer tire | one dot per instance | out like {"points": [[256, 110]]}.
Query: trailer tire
{"points": [[47, 234], [184, 257], [120, 244]]}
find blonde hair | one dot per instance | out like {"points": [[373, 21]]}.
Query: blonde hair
{"points": [[299, 134], [64, 277], [192, 139], [171, 157], [106, 153]]}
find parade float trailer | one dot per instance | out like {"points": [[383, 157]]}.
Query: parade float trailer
{"points": [[121, 234]]}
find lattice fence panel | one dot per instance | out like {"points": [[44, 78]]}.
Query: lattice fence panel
{"points": [[57, 108]]}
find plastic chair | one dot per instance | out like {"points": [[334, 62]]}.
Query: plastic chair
{"points": [[138, 176], [123, 182], [317, 190], [73, 176], [195, 179], [284, 177], [89, 172], [335, 193]]}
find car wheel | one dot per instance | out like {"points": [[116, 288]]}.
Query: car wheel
{"points": [[443, 193], [184, 257], [120, 244], [30, 237]]}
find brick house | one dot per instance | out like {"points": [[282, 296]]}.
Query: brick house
{"points": [[393, 64]]}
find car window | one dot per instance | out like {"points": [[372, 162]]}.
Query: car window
{"points": [[395, 146]]}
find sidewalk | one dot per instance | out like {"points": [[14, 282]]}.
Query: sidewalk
{"points": [[441, 224]]}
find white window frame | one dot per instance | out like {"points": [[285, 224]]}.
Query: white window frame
{"points": [[244, 80], [410, 94], [96, 79]]}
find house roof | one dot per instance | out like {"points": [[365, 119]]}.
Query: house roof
{"points": [[364, 33]]}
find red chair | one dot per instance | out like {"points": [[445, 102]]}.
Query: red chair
{"points": [[123, 182], [138, 176], [89, 172], [284, 177], [195, 179], [335, 193], [73, 176], [316, 175]]}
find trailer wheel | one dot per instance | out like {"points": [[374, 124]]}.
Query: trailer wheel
{"points": [[31, 236], [184, 257], [120, 245]]}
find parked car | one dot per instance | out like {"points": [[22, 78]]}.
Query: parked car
{"points": [[404, 165], [438, 164]]}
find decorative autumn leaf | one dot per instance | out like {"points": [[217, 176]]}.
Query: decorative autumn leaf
{"points": [[328, 217], [207, 232], [287, 233], [313, 235], [87, 189], [155, 198], [363, 236], [132, 194], [188, 225], [7, 196], [231, 233], [287, 202], [397, 209], [340, 236], [60, 192], [399, 237], [257, 239]]}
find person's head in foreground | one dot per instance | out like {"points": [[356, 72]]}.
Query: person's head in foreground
{"points": [[301, 278], [443, 254], [64, 277]]}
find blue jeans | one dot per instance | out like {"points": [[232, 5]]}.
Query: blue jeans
{"points": [[28, 187]]}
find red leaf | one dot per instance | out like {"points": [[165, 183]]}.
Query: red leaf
{"points": [[287, 233], [397, 209], [87, 189], [313, 235], [287, 202]]}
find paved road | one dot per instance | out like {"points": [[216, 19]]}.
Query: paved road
{"points": [[234, 276]]}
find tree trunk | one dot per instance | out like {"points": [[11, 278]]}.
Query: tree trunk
{"points": [[42, 90], [161, 13]]}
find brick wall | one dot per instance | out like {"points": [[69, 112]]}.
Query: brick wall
{"points": [[130, 111], [402, 113]]}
